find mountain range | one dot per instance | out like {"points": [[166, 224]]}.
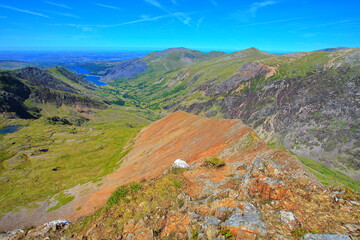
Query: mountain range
{"points": [[272, 143]]}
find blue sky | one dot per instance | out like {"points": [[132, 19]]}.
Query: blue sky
{"points": [[271, 25]]}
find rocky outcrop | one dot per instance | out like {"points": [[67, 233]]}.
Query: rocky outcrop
{"points": [[46, 95], [40, 78], [258, 193], [245, 73], [13, 93]]}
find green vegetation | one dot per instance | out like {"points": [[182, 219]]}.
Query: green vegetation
{"points": [[324, 174], [121, 193], [299, 233], [42, 160], [215, 162], [61, 200], [328, 176], [195, 234], [135, 201], [226, 233]]}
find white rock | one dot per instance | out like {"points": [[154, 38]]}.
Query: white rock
{"points": [[180, 164], [287, 218], [60, 221], [15, 232]]}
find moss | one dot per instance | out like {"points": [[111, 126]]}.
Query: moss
{"points": [[195, 234], [177, 184], [299, 233], [226, 233], [215, 162]]}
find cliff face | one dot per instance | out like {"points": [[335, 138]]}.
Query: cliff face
{"points": [[316, 116], [235, 188], [12, 95]]}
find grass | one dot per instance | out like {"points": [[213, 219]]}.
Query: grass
{"points": [[226, 233], [79, 154], [215, 162], [328, 176], [61, 200], [121, 192], [299, 233], [324, 174]]}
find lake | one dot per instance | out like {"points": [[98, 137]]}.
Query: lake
{"points": [[93, 79], [11, 129]]}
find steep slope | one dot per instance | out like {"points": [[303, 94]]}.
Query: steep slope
{"points": [[306, 102], [256, 193], [21, 90]]}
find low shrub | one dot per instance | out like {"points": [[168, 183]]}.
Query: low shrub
{"points": [[226, 233], [298, 233], [215, 162]]}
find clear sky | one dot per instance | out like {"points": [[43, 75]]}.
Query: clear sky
{"points": [[270, 25]]}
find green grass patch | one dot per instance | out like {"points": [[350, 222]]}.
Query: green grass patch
{"points": [[226, 233], [299, 233], [61, 199], [328, 176], [215, 162]]}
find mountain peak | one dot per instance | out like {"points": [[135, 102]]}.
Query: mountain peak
{"points": [[173, 50], [254, 50], [331, 49]]}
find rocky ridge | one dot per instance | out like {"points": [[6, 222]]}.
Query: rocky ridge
{"points": [[259, 193], [305, 102]]}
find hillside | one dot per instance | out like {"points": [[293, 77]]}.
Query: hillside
{"points": [[79, 149], [305, 102], [69, 134], [22, 89], [236, 187], [157, 63]]}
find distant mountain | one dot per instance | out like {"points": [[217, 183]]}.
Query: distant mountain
{"points": [[161, 61], [14, 65], [331, 49]]}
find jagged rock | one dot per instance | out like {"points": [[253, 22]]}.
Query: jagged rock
{"points": [[211, 227], [288, 218], [12, 235], [250, 221], [326, 237], [60, 222], [180, 164]]}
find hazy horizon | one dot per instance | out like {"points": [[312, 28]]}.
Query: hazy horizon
{"points": [[270, 25]]}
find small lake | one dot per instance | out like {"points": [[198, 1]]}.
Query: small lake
{"points": [[93, 79], [11, 129]]}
